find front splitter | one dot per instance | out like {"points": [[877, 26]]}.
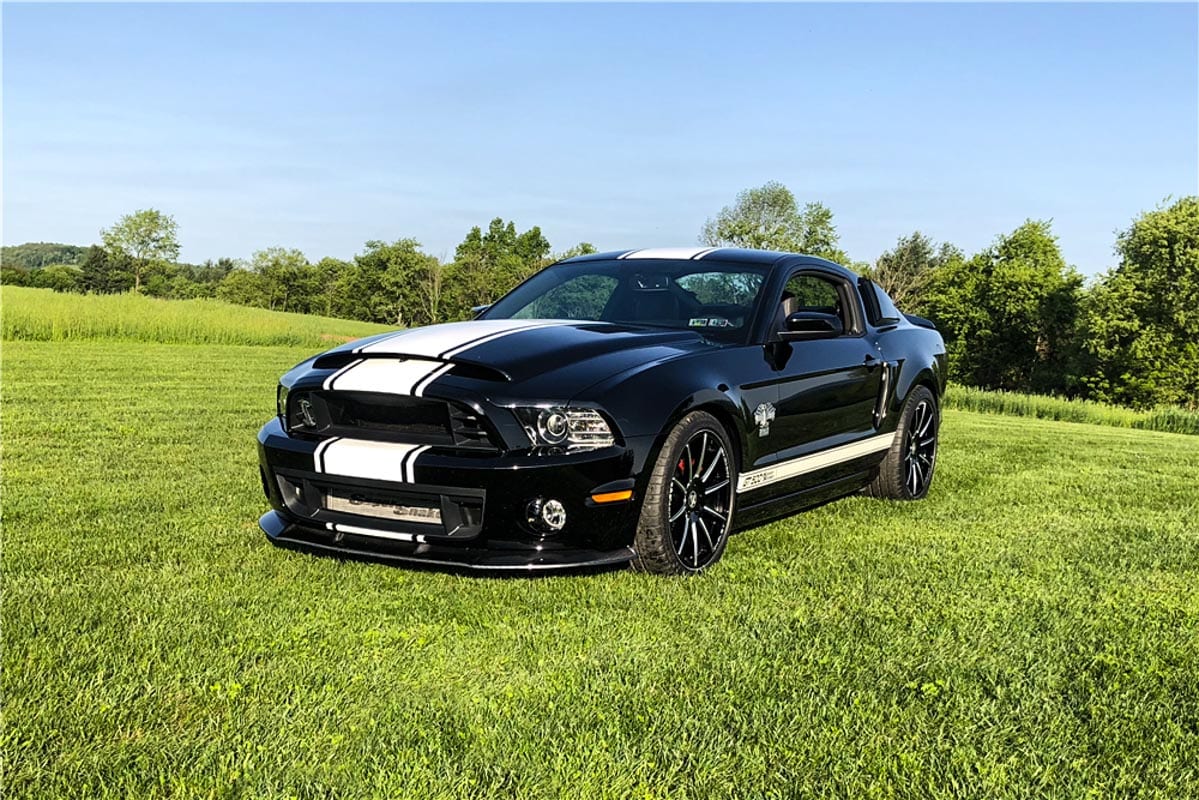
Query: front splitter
{"points": [[509, 557]]}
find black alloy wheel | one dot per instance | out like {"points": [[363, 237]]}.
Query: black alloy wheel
{"points": [[920, 449], [688, 509], [906, 473], [701, 495]]}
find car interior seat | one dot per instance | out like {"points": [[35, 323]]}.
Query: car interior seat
{"points": [[649, 306]]}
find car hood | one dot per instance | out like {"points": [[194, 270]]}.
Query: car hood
{"points": [[549, 359]]}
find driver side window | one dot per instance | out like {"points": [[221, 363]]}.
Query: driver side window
{"points": [[808, 292]]}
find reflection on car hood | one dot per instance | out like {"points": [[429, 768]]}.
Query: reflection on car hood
{"points": [[544, 358]]}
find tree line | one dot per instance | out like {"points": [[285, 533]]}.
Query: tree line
{"points": [[1014, 315]]}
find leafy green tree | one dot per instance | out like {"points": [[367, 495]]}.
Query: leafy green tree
{"points": [[1139, 329], [59, 277], [487, 265], [289, 279], [13, 276], [145, 237], [904, 270], [330, 297], [387, 284], [245, 288], [1007, 314], [182, 287], [580, 249], [431, 279], [768, 217], [103, 273], [210, 273], [35, 255]]}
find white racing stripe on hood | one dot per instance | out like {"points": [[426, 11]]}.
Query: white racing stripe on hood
{"points": [[529, 326], [436, 341], [412, 376], [328, 384], [359, 458], [388, 375]]}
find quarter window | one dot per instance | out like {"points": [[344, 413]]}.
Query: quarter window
{"points": [[887, 312]]}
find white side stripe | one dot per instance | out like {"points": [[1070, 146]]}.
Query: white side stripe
{"points": [[805, 464], [360, 458]]}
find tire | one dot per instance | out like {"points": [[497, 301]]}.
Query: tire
{"points": [[907, 471], [689, 503]]}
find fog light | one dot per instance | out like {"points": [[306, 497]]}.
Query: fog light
{"points": [[548, 516]]}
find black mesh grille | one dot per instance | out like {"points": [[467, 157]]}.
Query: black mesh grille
{"points": [[385, 417]]}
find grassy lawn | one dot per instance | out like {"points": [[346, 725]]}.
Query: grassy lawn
{"points": [[1030, 629], [42, 315]]}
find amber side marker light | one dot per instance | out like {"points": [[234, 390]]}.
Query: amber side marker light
{"points": [[612, 497]]}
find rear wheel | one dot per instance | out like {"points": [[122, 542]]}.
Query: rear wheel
{"points": [[907, 471], [688, 509]]}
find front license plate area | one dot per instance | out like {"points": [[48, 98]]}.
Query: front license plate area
{"points": [[363, 504]]}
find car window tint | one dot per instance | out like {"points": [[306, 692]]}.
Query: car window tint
{"points": [[714, 288], [582, 297], [717, 299], [812, 293]]}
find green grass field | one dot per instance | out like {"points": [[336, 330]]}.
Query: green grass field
{"points": [[1031, 629], [45, 316]]}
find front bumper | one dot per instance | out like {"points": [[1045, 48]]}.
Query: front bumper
{"points": [[491, 556], [482, 500]]}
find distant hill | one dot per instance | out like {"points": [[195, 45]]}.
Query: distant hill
{"points": [[34, 255]]}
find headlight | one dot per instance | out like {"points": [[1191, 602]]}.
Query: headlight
{"points": [[281, 401], [572, 428]]}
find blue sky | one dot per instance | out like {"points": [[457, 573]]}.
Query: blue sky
{"points": [[320, 127]]}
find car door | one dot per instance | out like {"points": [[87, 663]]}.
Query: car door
{"points": [[828, 388]]}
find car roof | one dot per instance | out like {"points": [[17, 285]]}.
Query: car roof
{"points": [[726, 254]]}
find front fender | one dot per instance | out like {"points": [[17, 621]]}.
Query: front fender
{"points": [[648, 402]]}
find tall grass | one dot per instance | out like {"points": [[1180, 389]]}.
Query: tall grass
{"points": [[44, 315], [1164, 418]]}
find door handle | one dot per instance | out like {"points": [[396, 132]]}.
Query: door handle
{"points": [[871, 362]]}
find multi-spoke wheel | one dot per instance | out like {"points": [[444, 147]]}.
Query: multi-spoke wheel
{"points": [[688, 508], [907, 471], [920, 449]]}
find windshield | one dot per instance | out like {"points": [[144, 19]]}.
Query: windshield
{"points": [[716, 299]]}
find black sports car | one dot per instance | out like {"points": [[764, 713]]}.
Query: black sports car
{"points": [[631, 406]]}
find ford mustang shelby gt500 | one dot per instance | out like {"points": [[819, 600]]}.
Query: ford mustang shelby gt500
{"points": [[632, 406]]}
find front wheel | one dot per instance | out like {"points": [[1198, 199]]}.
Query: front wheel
{"points": [[688, 509], [907, 471]]}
